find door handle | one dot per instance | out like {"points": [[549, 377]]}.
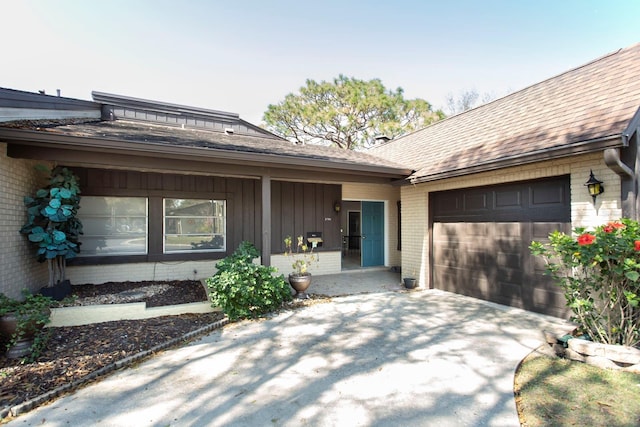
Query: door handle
{"points": [[364, 237]]}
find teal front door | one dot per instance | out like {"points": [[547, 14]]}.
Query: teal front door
{"points": [[372, 234]]}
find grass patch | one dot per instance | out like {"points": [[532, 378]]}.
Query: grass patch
{"points": [[559, 392]]}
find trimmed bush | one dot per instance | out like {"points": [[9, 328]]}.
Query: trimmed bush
{"points": [[243, 289]]}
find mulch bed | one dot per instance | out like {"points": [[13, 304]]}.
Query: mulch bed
{"points": [[74, 352], [154, 293]]}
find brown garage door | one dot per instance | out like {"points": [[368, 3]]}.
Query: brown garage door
{"points": [[480, 240]]}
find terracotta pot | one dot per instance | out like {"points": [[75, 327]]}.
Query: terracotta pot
{"points": [[300, 284]]}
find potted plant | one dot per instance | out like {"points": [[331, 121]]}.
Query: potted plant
{"points": [[410, 282], [303, 258], [22, 323], [53, 228]]}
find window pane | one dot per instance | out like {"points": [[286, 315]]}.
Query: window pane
{"points": [[193, 243], [182, 207], [113, 225], [194, 225], [92, 205]]}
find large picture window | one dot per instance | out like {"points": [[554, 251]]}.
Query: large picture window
{"points": [[113, 225], [194, 225]]}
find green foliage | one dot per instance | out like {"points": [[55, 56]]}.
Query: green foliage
{"points": [[348, 113], [466, 100], [243, 289], [303, 257], [31, 313], [52, 225], [599, 272]]}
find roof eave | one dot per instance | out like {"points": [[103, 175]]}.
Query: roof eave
{"points": [[633, 127], [32, 137], [583, 147]]}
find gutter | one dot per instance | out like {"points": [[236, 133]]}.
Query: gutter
{"points": [[590, 146], [628, 174], [614, 162], [633, 127], [40, 138]]}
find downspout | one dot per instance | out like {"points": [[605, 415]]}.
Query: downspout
{"points": [[628, 178], [613, 161]]}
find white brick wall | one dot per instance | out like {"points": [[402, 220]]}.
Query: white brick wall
{"points": [[415, 207], [97, 274], [18, 267], [328, 263], [608, 205], [415, 233]]}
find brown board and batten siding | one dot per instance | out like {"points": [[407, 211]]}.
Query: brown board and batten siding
{"points": [[243, 198], [480, 242], [299, 208]]}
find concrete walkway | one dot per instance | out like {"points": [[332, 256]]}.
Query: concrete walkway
{"points": [[384, 358]]}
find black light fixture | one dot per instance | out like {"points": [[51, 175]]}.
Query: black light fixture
{"points": [[337, 206], [595, 186]]}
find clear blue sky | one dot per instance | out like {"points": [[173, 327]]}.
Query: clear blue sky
{"points": [[241, 56]]}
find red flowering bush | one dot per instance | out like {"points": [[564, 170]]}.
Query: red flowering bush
{"points": [[586, 239], [599, 271]]}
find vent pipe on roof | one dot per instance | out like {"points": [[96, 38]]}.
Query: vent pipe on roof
{"points": [[58, 92], [381, 139]]}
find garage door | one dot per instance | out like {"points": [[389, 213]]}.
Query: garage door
{"points": [[480, 240]]}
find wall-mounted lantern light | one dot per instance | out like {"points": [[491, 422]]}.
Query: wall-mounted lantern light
{"points": [[337, 206], [595, 186]]}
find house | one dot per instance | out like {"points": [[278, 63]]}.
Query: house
{"points": [[490, 180], [169, 189]]}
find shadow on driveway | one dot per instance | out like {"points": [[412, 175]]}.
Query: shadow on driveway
{"points": [[380, 359]]}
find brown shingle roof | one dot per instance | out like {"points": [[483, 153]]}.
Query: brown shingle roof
{"points": [[152, 134], [576, 110]]}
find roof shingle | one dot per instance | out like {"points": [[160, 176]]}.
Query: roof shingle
{"points": [[583, 105], [162, 135]]}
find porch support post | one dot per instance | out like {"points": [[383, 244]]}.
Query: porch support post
{"points": [[266, 220]]}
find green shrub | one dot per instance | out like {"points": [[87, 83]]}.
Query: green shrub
{"points": [[243, 289], [599, 271], [31, 313]]}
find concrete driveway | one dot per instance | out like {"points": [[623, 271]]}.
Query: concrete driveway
{"points": [[421, 358]]}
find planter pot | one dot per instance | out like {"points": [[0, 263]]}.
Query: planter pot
{"points": [[410, 283], [58, 292], [22, 347], [300, 284]]}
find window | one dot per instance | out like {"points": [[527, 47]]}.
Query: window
{"points": [[194, 225], [113, 225]]}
